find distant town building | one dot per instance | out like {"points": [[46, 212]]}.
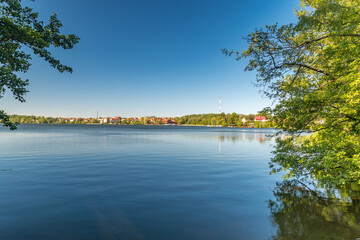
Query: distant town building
{"points": [[115, 120], [103, 120], [260, 119], [168, 121]]}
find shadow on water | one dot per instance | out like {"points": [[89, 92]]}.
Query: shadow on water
{"points": [[298, 212]]}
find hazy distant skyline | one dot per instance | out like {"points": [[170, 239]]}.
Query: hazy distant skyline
{"points": [[142, 58]]}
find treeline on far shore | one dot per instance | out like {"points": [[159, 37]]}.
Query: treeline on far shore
{"points": [[224, 120], [211, 119]]}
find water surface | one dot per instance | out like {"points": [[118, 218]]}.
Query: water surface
{"points": [[137, 182]]}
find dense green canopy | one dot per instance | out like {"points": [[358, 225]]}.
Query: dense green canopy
{"points": [[20, 29], [311, 70]]}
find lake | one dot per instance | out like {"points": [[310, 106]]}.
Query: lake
{"points": [[155, 182]]}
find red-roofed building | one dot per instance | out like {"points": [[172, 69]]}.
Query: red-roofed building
{"points": [[168, 121], [115, 120], [260, 119]]}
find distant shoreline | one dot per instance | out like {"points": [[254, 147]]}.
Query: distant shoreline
{"points": [[233, 120], [162, 125]]}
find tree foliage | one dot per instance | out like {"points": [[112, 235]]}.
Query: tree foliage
{"points": [[311, 70], [22, 33], [224, 120]]}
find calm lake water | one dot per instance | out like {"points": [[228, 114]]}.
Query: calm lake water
{"points": [[154, 182]]}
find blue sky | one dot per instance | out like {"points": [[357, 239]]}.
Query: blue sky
{"points": [[149, 57]]}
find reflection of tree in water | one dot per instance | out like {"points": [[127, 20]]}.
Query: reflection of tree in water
{"points": [[301, 213], [259, 137]]}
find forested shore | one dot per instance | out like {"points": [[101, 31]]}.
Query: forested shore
{"points": [[211, 119]]}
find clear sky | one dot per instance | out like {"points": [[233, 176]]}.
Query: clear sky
{"points": [[149, 57]]}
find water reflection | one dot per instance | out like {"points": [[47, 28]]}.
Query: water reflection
{"points": [[301, 213], [234, 136], [259, 137]]}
